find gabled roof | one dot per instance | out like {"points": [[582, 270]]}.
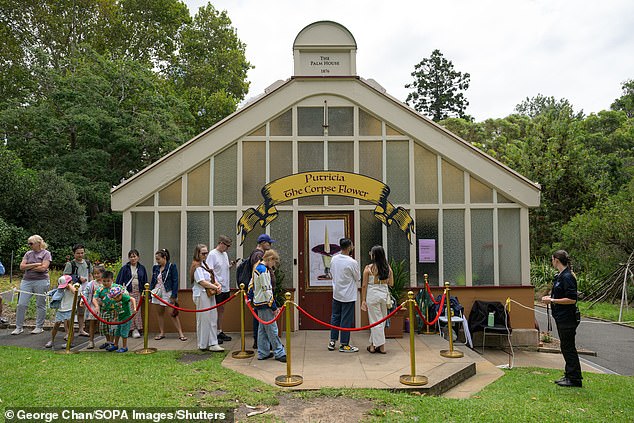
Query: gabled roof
{"points": [[281, 97]]}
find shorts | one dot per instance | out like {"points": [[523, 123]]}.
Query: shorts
{"points": [[61, 316], [222, 297], [123, 330], [165, 295]]}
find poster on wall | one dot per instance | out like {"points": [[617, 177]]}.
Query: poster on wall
{"points": [[427, 251], [323, 243]]}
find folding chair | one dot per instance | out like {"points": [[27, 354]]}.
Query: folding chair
{"points": [[478, 321]]}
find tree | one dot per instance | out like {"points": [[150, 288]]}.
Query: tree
{"points": [[438, 88], [211, 67], [626, 101]]}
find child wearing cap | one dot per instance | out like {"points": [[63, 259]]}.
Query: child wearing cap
{"points": [[124, 304], [106, 308], [65, 309]]}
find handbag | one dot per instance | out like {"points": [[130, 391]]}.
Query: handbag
{"points": [[390, 300], [157, 291], [210, 292]]}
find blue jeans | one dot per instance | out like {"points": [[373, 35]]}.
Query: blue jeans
{"points": [[268, 334], [343, 316]]}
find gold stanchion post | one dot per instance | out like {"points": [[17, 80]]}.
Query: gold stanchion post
{"points": [[146, 322], [412, 379], [71, 324], [427, 331], [242, 353], [450, 353], [288, 379]]}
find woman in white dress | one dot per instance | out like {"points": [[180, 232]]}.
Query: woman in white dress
{"points": [[377, 277]]}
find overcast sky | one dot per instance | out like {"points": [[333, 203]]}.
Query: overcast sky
{"points": [[579, 50]]}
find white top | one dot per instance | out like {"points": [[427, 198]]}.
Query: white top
{"points": [[200, 275], [345, 278], [67, 300], [219, 263]]}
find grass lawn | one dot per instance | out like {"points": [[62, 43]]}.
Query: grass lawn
{"points": [[42, 378], [606, 311]]}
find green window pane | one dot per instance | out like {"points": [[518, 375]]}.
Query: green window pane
{"points": [[480, 193], [281, 159], [198, 186], [482, 247], [510, 246], [225, 177], [452, 184], [143, 236], [171, 194], [282, 125], [311, 157], [368, 124], [426, 175], [453, 247], [310, 121], [371, 235], [427, 228], [170, 237], [397, 166], [253, 171], [341, 157], [340, 121]]}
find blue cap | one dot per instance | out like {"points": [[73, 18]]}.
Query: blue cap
{"points": [[265, 238]]}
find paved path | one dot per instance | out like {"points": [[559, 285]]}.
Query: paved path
{"points": [[614, 344]]}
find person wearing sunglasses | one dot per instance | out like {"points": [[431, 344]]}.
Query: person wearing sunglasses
{"points": [[35, 265]]}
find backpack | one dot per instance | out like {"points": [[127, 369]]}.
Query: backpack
{"points": [[73, 267], [454, 303], [243, 272]]}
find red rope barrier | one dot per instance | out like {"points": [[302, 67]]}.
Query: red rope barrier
{"points": [[281, 310], [188, 310], [105, 322], [430, 294], [328, 325], [442, 303]]}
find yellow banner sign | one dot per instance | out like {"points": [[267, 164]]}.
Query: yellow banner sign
{"points": [[308, 184]]}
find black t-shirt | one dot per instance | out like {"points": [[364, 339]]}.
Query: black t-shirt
{"points": [[564, 286]]}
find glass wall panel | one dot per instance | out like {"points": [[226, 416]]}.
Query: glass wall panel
{"points": [[198, 186], [452, 184], [368, 124], [197, 233], [371, 159], [391, 131], [148, 202], [310, 121], [397, 166], [453, 247], [282, 125], [281, 159], [427, 228], [509, 246], [143, 237], [340, 121], [260, 132], [311, 157], [482, 247], [341, 157], [371, 235], [171, 194], [225, 177], [398, 246], [282, 232], [253, 171], [426, 176], [480, 193], [170, 237], [503, 199]]}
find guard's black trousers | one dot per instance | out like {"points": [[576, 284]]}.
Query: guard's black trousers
{"points": [[567, 334]]}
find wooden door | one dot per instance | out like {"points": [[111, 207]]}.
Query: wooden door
{"points": [[319, 234]]}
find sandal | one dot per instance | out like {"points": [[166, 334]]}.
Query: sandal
{"points": [[159, 337], [380, 351], [371, 350], [182, 338]]}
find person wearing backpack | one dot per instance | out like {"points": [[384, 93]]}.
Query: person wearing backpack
{"points": [[82, 269], [264, 244]]}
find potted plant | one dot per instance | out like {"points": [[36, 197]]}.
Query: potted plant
{"points": [[399, 294]]}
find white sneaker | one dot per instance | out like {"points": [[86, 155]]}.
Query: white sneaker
{"points": [[17, 331], [91, 345], [36, 331], [136, 334], [49, 344], [216, 348]]}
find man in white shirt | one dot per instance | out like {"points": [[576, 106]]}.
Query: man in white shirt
{"points": [[218, 261], [345, 280]]}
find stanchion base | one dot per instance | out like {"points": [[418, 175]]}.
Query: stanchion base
{"points": [[66, 352], [242, 354], [292, 380], [451, 354], [429, 333], [415, 380], [146, 351]]}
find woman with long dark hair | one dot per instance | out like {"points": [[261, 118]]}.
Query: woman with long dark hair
{"points": [[563, 301], [165, 277], [133, 277], [377, 278]]}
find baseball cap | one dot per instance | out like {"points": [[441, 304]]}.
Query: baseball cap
{"points": [[63, 281], [265, 238], [114, 292]]}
